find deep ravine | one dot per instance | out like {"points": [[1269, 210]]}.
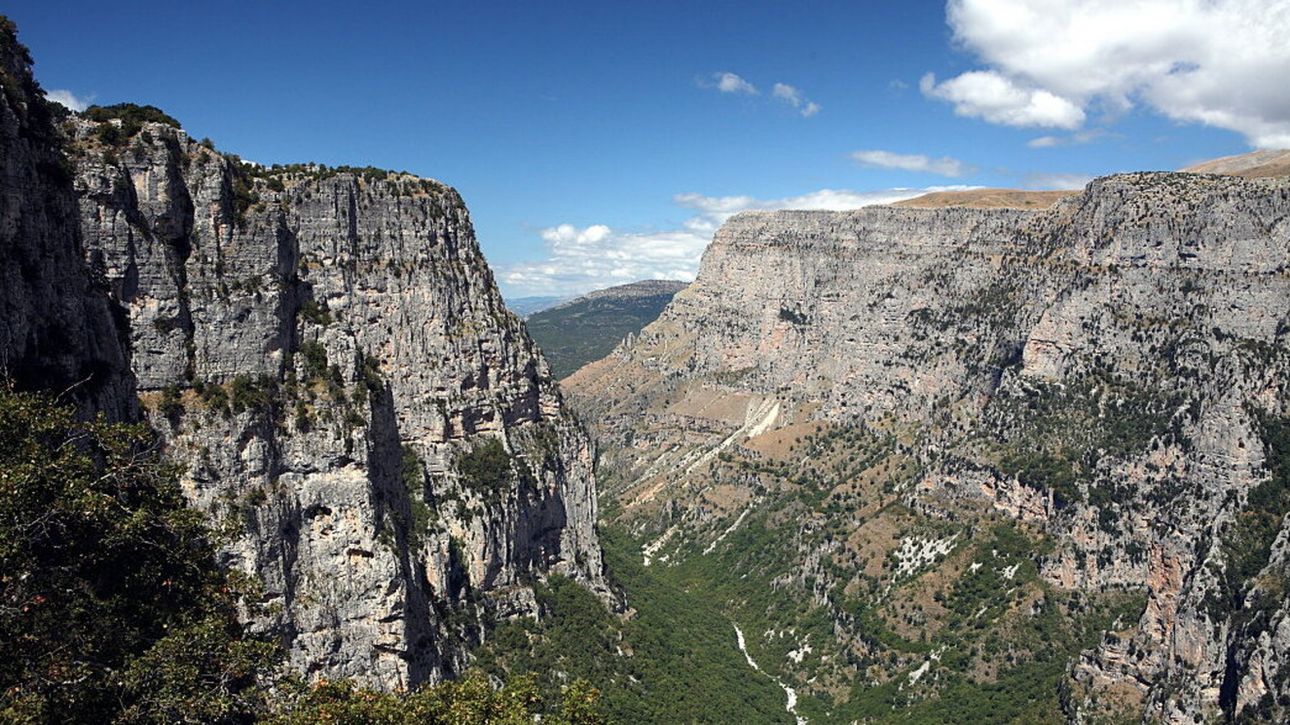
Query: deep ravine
{"points": [[789, 692]]}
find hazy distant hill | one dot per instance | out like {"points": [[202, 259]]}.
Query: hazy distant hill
{"points": [[577, 332], [525, 306]]}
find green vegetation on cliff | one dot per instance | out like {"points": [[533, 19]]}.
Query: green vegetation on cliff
{"points": [[113, 607]]}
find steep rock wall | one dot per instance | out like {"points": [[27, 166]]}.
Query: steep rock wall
{"points": [[1130, 345], [328, 353], [57, 325]]}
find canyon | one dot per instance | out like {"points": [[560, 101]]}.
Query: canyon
{"points": [[981, 455], [942, 436]]}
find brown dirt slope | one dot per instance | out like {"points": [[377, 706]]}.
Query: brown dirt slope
{"points": [[1254, 165], [987, 199]]}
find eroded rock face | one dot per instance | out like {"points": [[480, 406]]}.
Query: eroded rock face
{"points": [[1107, 372], [57, 327], [328, 356]]}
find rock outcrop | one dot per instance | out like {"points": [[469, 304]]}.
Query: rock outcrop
{"points": [[393, 447], [57, 326], [326, 354], [1110, 373]]}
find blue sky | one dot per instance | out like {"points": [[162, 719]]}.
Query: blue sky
{"points": [[597, 143]]}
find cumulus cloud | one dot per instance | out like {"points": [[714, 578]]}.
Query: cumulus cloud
{"points": [[1221, 63], [944, 166], [794, 97], [569, 235], [581, 259], [727, 82], [68, 99], [997, 99]]}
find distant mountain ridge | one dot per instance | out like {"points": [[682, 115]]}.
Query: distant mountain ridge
{"points": [[525, 306], [1254, 165], [631, 290], [587, 328], [987, 199]]}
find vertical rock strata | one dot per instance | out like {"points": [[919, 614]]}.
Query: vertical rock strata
{"points": [[326, 354], [329, 354], [1136, 332]]}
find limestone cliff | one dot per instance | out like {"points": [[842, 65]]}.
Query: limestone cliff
{"points": [[1109, 374], [56, 322], [325, 353], [328, 352]]}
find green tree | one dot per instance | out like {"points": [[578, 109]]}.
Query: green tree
{"points": [[468, 701], [112, 606]]}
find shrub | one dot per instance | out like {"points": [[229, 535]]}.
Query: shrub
{"points": [[171, 406], [315, 359], [315, 312], [131, 113], [250, 393], [486, 468]]}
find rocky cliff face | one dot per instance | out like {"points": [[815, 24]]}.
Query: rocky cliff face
{"points": [[57, 329], [1109, 376], [326, 354]]}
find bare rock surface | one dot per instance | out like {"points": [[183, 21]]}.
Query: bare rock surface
{"points": [[393, 448]]}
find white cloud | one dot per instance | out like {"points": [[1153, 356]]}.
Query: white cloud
{"points": [[68, 99], [728, 82], [1079, 137], [944, 166], [1058, 182], [989, 95], [1221, 63], [570, 235], [793, 97], [785, 92], [580, 259]]}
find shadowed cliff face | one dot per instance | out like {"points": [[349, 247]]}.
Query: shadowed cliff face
{"points": [[57, 327], [326, 354], [886, 385]]}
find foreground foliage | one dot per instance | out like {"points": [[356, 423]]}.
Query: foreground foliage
{"points": [[111, 604], [471, 700]]}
